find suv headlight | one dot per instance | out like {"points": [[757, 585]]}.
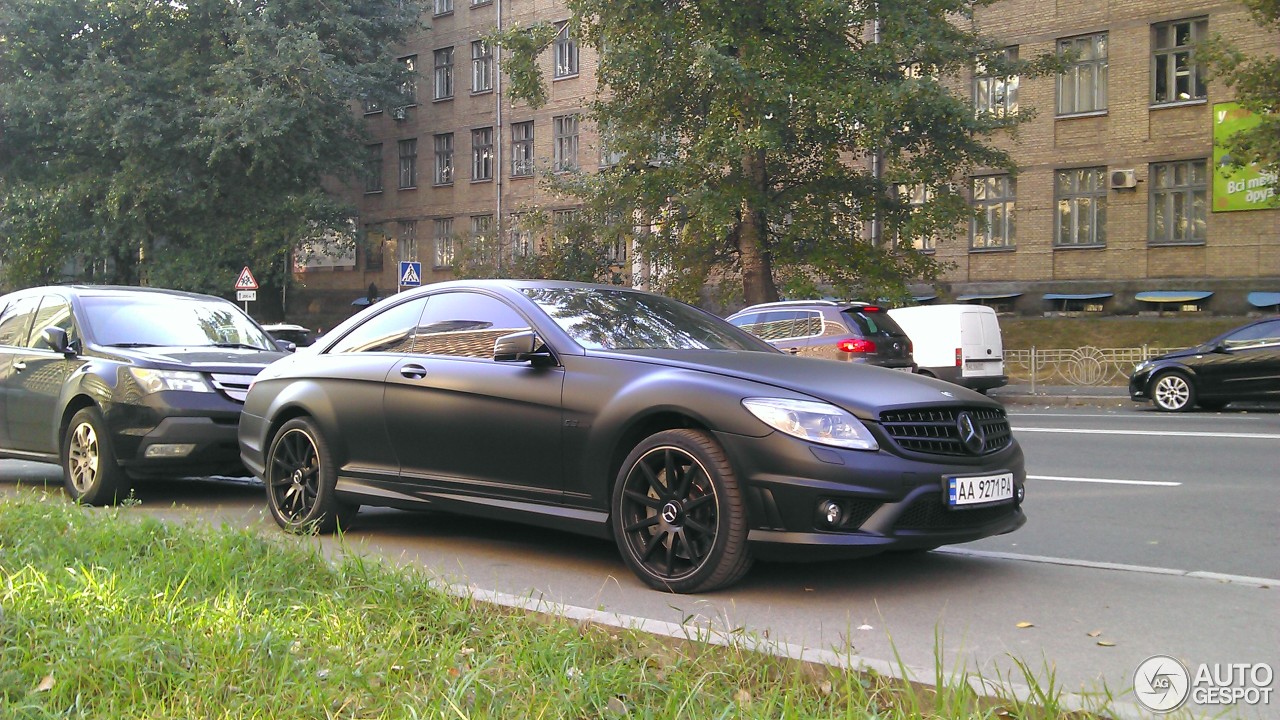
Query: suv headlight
{"points": [[156, 380], [813, 421]]}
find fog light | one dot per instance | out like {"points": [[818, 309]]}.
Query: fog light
{"points": [[830, 512], [170, 450], [1022, 492]]}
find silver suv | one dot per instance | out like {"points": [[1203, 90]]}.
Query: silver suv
{"points": [[850, 331]]}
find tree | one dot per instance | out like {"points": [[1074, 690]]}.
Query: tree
{"points": [[766, 141], [174, 142], [1256, 81]]}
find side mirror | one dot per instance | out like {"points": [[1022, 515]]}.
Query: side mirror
{"points": [[518, 347], [286, 346], [56, 339]]}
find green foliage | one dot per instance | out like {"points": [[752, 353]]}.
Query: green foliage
{"points": [[173, 143], [1256, 80], [746, 132], [578, 248]]}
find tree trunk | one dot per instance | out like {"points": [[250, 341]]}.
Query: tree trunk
{"points": [[753, 252]]}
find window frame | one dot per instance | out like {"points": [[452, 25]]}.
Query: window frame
{"points": [[442, 171], [1073, 187], [409, 88], [482, 155], [481, 67], [565, 144], [984, 85], [566, 58], [407, 169], [442, 250], [441, 7], [1099, 44], [442, 75], [522, 157], [407, 240], [373, 169], [1168, 197], [985, 204], [1164, 61]]}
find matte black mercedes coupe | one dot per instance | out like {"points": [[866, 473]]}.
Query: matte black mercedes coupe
{"points": [[619, 413]]}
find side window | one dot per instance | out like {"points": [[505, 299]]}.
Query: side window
{"points": [[389, 331], [808, 324], [1263, 334], [54, 311], [465, 324], [15, 322]]}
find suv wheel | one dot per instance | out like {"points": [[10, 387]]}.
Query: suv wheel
{"points": [[89, 468]]}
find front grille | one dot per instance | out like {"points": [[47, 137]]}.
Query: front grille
{"points": [[936, 431], [929, 513], [233, 385]]}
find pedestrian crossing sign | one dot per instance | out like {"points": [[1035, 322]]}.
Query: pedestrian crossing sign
{"points": [[410, 273]]}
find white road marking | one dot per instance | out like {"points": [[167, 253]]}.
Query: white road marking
{"points": [[1146, 569], [1161, 433], [1156, 483]]}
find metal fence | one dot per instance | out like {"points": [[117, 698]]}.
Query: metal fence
{"points": [[1076, 366]]}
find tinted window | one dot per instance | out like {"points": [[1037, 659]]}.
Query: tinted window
{"points": [[389, 331], [54, 311], [873, 323], [780, 324], [629, 320], [15, 322], [170, 321], [465, 324], [1260, 334]]}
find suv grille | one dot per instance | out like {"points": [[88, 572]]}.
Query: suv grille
{"points": [[234, 386], [941, 431]]}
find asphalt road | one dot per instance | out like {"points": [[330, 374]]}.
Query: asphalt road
{"points": [[1172, 555]]}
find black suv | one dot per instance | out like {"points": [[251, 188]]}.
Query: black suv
{"points": [[850, 331], [115, 383]]}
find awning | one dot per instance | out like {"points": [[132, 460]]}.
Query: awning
{"points": [[1171, 296], [1263, 299], [924, 298], [988, 296], [1078, 296]]}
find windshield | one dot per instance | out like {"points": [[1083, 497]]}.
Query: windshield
{"points": [[170, 321], [604, 319]]}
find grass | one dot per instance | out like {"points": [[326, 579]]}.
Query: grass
{"points": [[113, 614], [1023, 333]]}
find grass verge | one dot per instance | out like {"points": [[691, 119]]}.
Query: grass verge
{"points": [[112, 614]]}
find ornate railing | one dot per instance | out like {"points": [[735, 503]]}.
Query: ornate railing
{"points": [[1076, 366]]}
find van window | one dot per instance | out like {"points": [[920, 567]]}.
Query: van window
{"points": [[869, 324]]}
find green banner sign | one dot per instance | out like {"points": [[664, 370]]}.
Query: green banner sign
{"points": [[1237, 188]]}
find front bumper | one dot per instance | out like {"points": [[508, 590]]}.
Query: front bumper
{"points": [[205, 422], [888, 501]]}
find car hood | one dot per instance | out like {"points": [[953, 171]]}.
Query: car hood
{"points": [[1202, 349], [200, 359], [864, 390]]}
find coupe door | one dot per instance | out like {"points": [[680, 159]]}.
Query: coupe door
{"points": [[461, 421], [38, 375], [1248, 363]]}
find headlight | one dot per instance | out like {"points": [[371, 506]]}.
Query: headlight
{"points": [[156, 380], [813, 421], [1142, 366]]}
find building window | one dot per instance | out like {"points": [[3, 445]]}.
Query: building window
{"points": [[919, 195], [407, 242], [444, 243], [562, 225], [993, 197], [409, 88], [1175, 76], [408, 163], [1179, 202], [996, 94], [522, 149], [443, 74], [373, 168], [566, 53], [482, 154], [443, 7], [1081, 198], [482, 237], [444, 159], [609, 156], [372, 245], [565, 138], [481, 66], [371, 106], [521, 239], [1082, 87]]}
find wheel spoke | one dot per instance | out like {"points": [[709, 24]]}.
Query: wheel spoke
{"points": [[695, 557], [645, 500], [671, 553], [642, 524], [652, 478], [699, 528], [698, 502], [655, 542], [686, 481]]}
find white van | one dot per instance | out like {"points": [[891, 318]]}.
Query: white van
{"points": [[956, 343]]}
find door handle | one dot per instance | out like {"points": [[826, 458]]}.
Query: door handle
{"points": [[793, 350], [19, 366], [413, 371]]}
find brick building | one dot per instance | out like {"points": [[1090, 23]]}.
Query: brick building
{"points": [[1114, 208]]}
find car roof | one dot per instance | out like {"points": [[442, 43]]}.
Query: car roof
{"points": [[285, 326], [82, 290], [841, 304]]}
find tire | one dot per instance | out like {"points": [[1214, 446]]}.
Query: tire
{"points": [[678, 514], [90, 471], [1173, 392], [300, 480]]}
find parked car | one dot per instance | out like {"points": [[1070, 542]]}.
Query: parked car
{"points": [[1242, 364], [115, 383], [955, 342], [618, 413], [851, 331], [297, 334]]}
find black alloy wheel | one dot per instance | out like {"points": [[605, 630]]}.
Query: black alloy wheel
{"points": [[300, 480], [678, 515]]}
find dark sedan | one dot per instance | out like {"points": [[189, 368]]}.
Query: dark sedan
{"points": [[1243, 364], [119, 382], [618, 413]]}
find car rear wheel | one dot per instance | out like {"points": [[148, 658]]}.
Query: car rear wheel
{"points": [[300, 479], [678, 514], [89, 468], [1173, 392]]}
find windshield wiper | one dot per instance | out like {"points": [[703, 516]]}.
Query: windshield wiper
{"points": [[244, 346], [132, 345]]}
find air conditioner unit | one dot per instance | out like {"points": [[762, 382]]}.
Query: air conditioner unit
{"points": [[399, 113], [1123, 179]]}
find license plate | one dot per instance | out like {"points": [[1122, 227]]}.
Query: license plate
{"points": [[904, 369], [979, 489]]}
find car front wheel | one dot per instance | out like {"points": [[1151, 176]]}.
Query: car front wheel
{"points": [[89, 468], [678, 514], [300, 479], [1173, 392]]}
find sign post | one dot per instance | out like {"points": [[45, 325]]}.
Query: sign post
{"points": [[246, 287]]}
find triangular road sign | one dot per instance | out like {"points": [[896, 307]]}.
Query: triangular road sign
{"points": [[246, 281]]}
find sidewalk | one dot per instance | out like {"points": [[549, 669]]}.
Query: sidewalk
{"points": [[1066, 395]]}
